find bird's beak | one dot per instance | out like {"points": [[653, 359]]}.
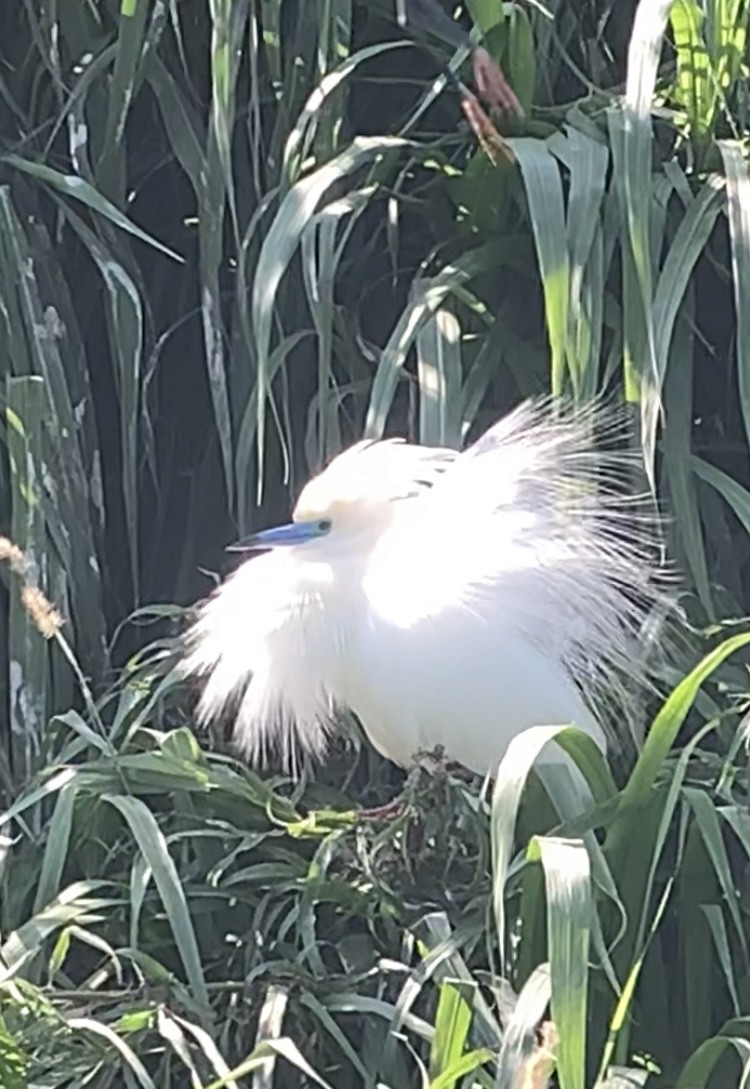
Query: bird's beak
{"points": [[296, 533]]}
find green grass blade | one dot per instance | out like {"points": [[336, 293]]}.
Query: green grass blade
{"points": [[228, 23], [180, 122], [152, 845], [567, 881], [519, 1041], [292, 218], [707, 820], [461, 1068], [14, 1061], [510, 781], [676, 442], [70, 185], [56, 848], [426, 297], [587, 160], [445, 961], [217, 189], [738, 210], [130, 41], [284, 1048], [452, 1021], [544, 193], [670, 718], [687, 247], [631, 141], [695, 88], [731, 491], [208, 1047], [698, 1069], [718, 929], [301, 138], [126, 321], [130, 1060], [27, 649], [68, 505], [324, 241], [439, 379], [74, 903], [270, 1024], [323, 1016]]}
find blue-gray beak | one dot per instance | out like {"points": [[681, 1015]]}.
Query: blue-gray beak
{"points": [[296, 533]]}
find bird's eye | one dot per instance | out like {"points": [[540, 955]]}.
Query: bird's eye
{"points": [[324, 525]]}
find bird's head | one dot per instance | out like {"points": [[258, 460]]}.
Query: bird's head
{"points": [[356, 495]]}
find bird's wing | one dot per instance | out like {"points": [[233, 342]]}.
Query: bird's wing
{"points": [[533, 522]]}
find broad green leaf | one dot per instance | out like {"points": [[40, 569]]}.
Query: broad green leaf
{"points": [[439, 378], [631, 140], [544, 193], [510, 782]]}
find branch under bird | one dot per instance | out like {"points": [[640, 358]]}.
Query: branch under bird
{"points": [[449, 600]]}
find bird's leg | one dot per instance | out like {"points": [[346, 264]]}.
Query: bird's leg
{"points": [[395, 807], [423, 759], [385, 812]]}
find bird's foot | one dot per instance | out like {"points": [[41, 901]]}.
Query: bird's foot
{"points": [[399, 805], [385, 812], [431, 768]]}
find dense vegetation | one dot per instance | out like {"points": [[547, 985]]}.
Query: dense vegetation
{"points": [[235, 234]]}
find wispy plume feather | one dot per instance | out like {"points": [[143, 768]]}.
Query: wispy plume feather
{"points": [[457, 598]]}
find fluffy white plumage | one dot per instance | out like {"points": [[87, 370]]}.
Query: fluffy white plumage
{"points": [[446, 599]]}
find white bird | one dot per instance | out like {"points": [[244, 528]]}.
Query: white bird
{"points": [[449, 600]]}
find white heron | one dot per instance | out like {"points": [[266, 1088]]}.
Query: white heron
{"points": [[449, 600]]}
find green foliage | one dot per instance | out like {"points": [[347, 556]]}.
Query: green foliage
{"points": [[174, 914], [208, 197], [234, 236]]}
